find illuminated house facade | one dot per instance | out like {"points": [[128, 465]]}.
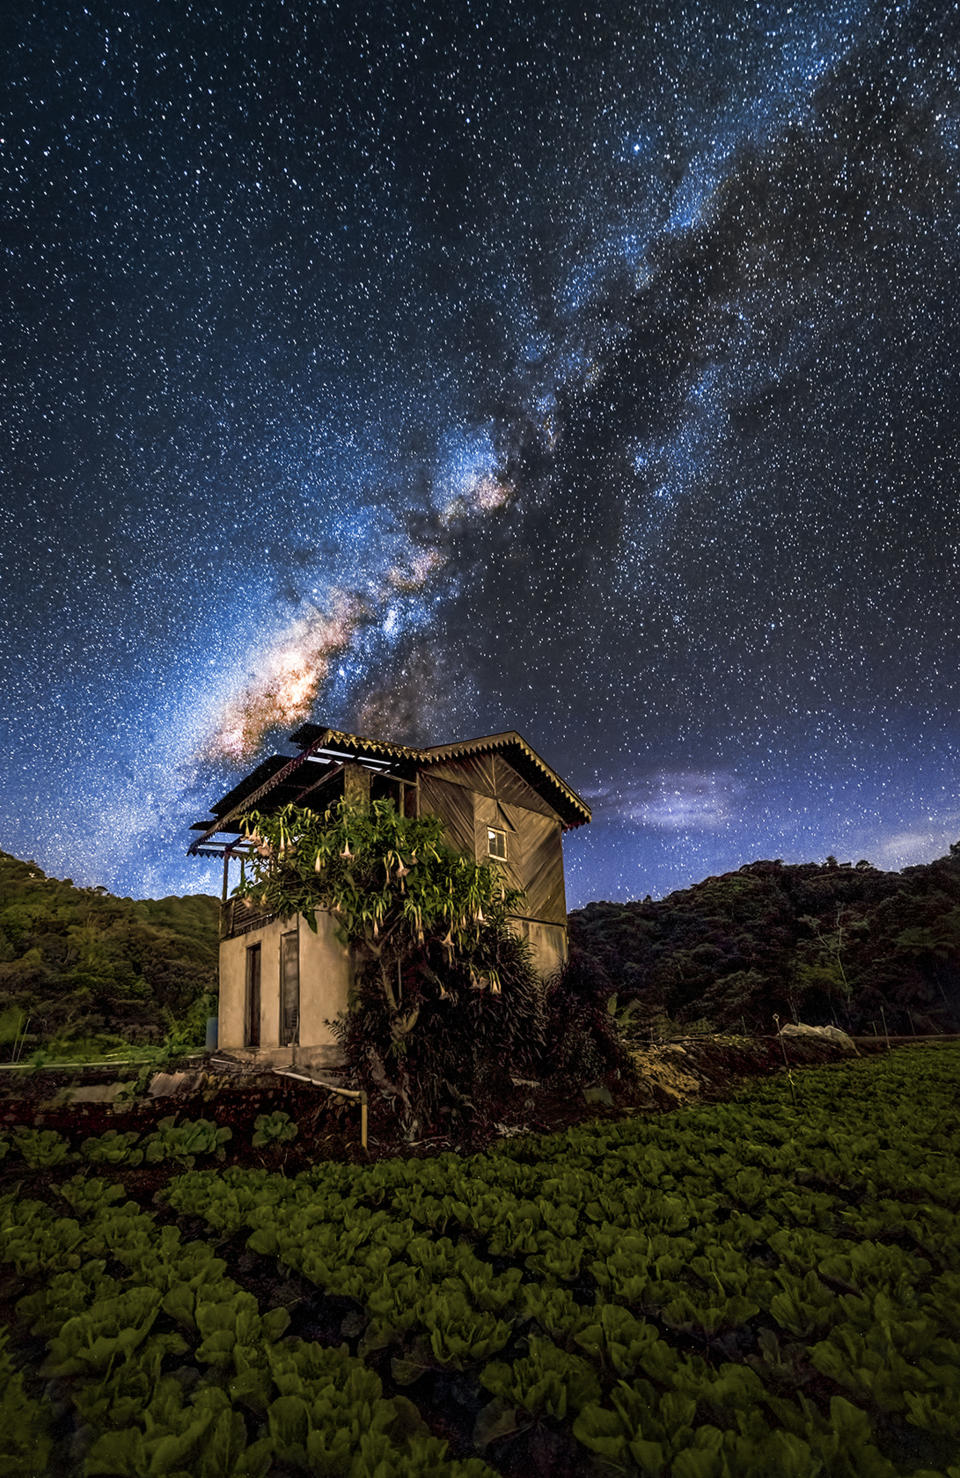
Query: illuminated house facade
{"points": [[281, 983]]}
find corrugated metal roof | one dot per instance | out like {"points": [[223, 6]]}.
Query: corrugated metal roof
{"points": [[271, 774]]}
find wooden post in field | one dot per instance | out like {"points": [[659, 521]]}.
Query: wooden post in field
{"points": [[783, 1049]]}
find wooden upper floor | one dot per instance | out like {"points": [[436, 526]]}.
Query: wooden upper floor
{"points": [[499, 801]]}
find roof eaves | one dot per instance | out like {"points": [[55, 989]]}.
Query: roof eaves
{"points": [[334, 738], [510, 738], [248, 802]]}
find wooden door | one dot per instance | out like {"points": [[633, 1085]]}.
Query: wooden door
{"points": [[289, 989], [251, 1010]]}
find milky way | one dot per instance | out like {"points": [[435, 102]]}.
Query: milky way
{"points": [[432, 370]]}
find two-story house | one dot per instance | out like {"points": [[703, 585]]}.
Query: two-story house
{"points": [[281, 983]]}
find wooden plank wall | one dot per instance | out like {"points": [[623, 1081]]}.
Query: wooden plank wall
{"points": [[534, 856], [475, 771], [454, 804], [484, 790], [513, 789]]}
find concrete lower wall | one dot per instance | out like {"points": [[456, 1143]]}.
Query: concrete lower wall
{"points": [[325, 978], [325, 981], [233, 985], [548, 943]]}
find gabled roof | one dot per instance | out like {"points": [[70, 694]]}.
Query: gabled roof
{"points": [[281, 780], [572, 810], [544, 779]]}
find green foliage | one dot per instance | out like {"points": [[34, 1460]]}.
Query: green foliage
{"points": [[831, 944], [33, 1241], [273, 1128], [388, 879], [748, 1289], [97, 970], [582, 1034], [201, 1435], [111, 1329], [546, 1382], [113, 1147], [185, 1142], [41, 1148], [25, 1438], [86, 1194], [446, 1001]]}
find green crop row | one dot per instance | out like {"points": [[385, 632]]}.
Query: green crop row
{"points": [[168, 1367], [641, 1256], [180, 1143], [737, 1290]]}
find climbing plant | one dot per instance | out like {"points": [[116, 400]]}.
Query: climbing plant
{"points": [[425, 926]]}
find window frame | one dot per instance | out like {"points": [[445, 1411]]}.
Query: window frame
{"points": [[492, 832]]}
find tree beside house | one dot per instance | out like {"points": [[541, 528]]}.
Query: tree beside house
{"points": [[306, 914]]}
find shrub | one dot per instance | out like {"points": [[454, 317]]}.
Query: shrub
{"points": [[468, 1041], [582, 1040]]}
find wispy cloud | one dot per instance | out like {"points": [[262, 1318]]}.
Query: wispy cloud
{"points": [[915, 843], [674, 800]]}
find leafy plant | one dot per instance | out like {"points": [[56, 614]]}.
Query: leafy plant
{"points": [[64, 1296], [201, 1434], [546, 1382], [111, 1328], [88, 1194], [35, 1240], [185, 1142], [26, 1442], [232, 1331], [616, 1340], [273, 1128], [42, 1149], [113, 1147]]}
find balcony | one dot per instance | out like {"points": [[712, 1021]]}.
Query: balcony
{"points": [[241, 916]]}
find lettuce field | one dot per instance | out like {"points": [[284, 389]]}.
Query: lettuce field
{"points": [[767, 1287]]}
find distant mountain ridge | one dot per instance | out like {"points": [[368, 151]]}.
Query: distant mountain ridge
{"points": [[820, 943], [834, 943], [80, 962]]}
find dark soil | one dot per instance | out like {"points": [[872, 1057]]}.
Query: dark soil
{"points": [[329, 1128]]}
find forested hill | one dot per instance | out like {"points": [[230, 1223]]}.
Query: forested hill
{"points": [[820, 944], [79, 962], [832, 943]]}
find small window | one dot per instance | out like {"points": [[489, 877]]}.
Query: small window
{"points": [[496, 842]]}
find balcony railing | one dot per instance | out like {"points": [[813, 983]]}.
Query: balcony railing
{"points": [[241, 916]]}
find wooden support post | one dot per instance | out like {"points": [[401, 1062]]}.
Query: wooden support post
{"points": [[356, 785]]}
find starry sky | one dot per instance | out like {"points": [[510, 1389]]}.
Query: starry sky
{"points": [[433, 369]]}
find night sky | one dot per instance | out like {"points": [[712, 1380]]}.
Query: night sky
{"points": [[430, 370]]}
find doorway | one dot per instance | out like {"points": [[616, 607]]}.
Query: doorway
{"points": [[251, 1008], [289, 989]]}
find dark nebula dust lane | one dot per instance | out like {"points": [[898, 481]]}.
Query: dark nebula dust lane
{"points": [[434, 370]]}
